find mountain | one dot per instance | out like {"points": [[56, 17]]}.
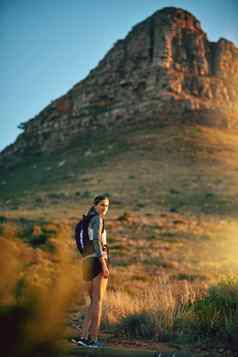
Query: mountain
{"points": [[153, 125], [165, 70]]}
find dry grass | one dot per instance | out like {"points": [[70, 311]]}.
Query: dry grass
{"points": [[161, 264], [172, 232], [161, 300]]}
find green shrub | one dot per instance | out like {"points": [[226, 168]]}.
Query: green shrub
{"points": [[38, 235], [2, 219], [145, 324], [216, 314], [140, 325], [86, 194]]}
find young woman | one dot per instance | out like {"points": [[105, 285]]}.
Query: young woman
{"points": [[95, 269]]}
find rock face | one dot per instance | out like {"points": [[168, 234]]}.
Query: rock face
{"points": [[165, 69]]}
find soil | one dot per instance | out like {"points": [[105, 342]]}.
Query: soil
{"points": [[149, 345]]}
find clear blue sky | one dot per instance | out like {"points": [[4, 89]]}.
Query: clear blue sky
{"points": [[49, 45]]}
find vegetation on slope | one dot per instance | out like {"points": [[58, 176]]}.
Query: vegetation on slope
{"points": [[173, 228]]}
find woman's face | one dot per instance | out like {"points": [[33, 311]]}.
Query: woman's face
{"points": [[102, 207]]}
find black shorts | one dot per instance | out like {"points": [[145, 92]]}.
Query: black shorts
{"points": [[91, 267]]}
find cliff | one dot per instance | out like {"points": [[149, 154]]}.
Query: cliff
{"points": [[164, 70]]}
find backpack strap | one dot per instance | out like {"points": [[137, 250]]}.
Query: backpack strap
{"points": [[89, 256], [103, 225]]}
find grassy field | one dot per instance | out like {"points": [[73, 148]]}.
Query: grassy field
{"points": [[172, 231], [188, 167]]}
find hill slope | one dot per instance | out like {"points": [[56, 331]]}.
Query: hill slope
{"points": [[179, 166]]}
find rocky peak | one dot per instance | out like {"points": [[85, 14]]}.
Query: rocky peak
{"points": [[164, 70], [172, 39]]}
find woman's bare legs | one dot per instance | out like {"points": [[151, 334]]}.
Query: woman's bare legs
{"points": [[99, 286]]}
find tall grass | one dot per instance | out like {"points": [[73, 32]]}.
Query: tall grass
{"points": [[38, 287], [168, 311], [153, 313]]}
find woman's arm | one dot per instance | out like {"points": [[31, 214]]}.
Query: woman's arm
{"points": [[95, 226]]}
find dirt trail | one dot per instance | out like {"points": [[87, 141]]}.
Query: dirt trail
{"points": [[117, 346], [113, 352]]}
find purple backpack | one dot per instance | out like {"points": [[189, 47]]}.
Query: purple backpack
{"points": [[81, 235], [83, 243]]}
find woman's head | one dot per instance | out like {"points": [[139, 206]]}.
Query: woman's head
{"points": [[101, 204]]}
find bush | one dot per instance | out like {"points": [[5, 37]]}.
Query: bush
{"points": [[15, 341], [12, 321], [140, 325], [216, 314], [124, 217], [39, 235]]}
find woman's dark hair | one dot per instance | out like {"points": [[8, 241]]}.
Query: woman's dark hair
{"points": [[99, 199], [96, 201]]}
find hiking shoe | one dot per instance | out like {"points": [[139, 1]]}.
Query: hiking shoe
{"points": [[81, 341], [95, 344]]}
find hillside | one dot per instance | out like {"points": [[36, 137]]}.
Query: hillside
{"points": [[172, 230], [184, 167]]}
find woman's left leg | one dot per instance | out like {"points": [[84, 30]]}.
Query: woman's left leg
{"points": [[99, 287], [88, 317]]}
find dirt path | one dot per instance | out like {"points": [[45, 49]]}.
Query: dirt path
{"points": [[123, 347], [113, 352]]}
